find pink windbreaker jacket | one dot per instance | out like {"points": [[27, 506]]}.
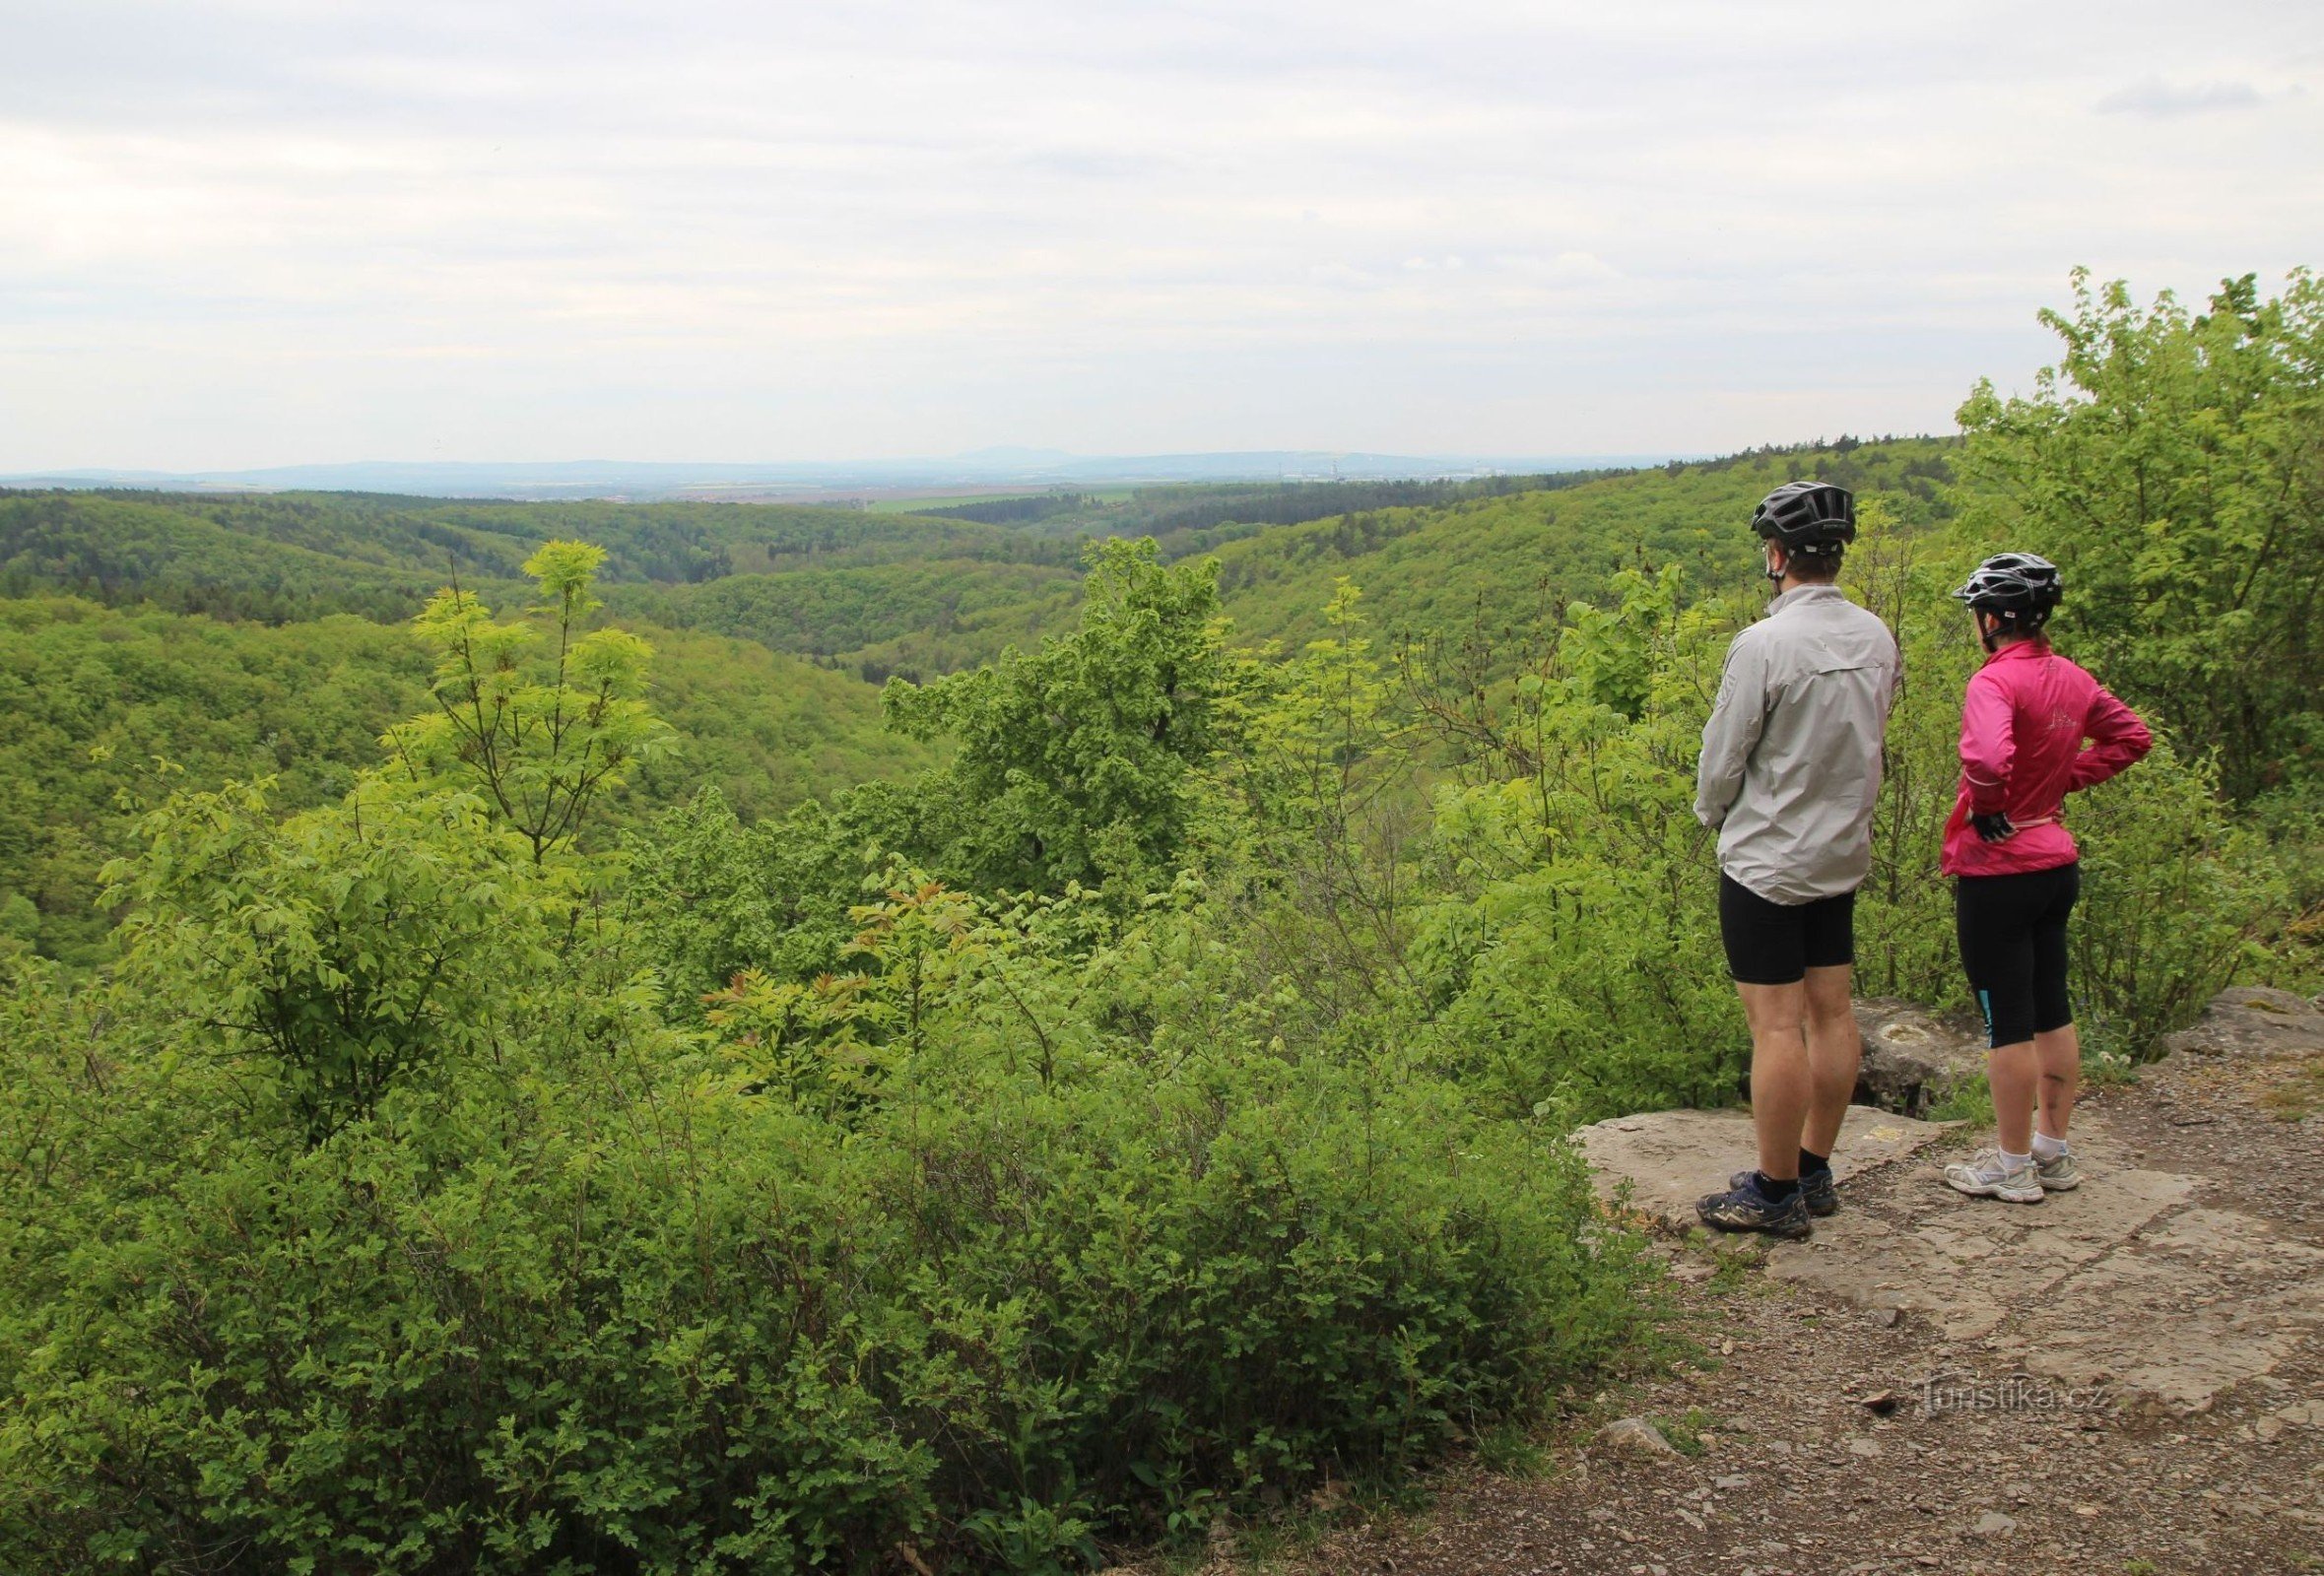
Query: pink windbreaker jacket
{"points": [[2023, 751]]}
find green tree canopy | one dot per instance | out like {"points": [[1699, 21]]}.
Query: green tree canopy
{"points": [[1081, 757], [2173, 464]]}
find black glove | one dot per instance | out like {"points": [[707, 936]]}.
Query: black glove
{"points": [[1995, 828]]}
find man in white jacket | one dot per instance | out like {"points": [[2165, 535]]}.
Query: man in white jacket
{"points": [[1790, 773]]}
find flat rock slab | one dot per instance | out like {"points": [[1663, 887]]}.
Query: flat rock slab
{"points": [[1961, 1265], [2252, 1020], [2209, 1300], [2127, 1286], [1671, 1159]]}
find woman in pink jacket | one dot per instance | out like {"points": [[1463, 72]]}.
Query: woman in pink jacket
{"points": [[2034, 729]]}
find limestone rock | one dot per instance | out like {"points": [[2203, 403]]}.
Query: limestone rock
{"points": [[1635, 1436], [2251, 1021], [1911, 1060], [1671, 1159]]}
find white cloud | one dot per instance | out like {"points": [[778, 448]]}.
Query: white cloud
{"points": [[243, 233], [2157, 100]]}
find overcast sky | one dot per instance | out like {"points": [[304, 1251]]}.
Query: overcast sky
{"points": [[236, 234]]}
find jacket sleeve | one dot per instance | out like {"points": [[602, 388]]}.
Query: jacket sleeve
{"points": [[1896, 678], [2117, 739], [1988, 744], [1736, 718]]}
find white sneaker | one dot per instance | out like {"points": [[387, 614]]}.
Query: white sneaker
{"points": [[1988, 1177], [2058, 1176]]}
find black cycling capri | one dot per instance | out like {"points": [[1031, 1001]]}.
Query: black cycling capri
{"points": [[2013, 942], [1777, 944]]}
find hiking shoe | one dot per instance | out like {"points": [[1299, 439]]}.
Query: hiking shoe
{"points": [[1746, 1208], [2060, 1175], [1817, 1188], [1985, 1177]]}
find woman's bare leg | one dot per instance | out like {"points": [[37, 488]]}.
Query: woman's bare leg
{"points": [[2015, 1075], [2057, 1055]]}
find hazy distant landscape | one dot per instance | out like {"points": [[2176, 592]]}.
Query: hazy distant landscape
{"points": [[997, 471]]}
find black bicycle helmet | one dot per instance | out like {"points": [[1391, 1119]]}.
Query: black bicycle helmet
{"points": [[1811, 519], [2021, 588]]}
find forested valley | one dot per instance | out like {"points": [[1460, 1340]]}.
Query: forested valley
{"points": [[696, 1037]]}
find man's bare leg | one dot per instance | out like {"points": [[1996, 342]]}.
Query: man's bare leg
{"points": [[1780, 1084], [2057, 1059], [1835, 1048]]}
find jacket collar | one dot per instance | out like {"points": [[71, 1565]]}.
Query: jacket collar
{"points": [[1800, 594], [2017, 650]]}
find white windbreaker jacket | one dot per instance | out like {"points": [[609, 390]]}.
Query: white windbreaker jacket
{"points": [[1791, 757]]}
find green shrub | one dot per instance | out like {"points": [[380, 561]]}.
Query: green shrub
{"points": [[2179, 897], [582, 1307]]}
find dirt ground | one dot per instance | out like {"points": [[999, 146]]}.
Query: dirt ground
{"points": [[2127, 1379]]}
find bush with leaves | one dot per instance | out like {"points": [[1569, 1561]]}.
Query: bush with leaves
{"points": [[1081, 759], [585, 1299], [2178, 900], [338, 950], [2172, 463], [1574, 950]]}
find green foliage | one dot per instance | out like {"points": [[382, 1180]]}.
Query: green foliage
{"points": [[94, 696], [539, 739], [2173, 465], [1493, 570], [2177, 899], [1971, 1101], [1082, 757], [338, 950], [711, 897], [571, 1298], [293, 555], [923, 608], [1575, 953], [1324, 786], [379, 1212], [243, 559]]}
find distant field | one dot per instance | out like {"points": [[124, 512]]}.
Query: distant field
{"points": [[1110, 495]]}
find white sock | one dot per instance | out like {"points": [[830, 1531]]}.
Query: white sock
{"points": [[2015, 1162], [2045, 1148]]}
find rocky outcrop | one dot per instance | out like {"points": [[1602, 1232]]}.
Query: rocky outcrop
{"points": [[2251, 1022], [1667, 1160], [1911, 1059]]}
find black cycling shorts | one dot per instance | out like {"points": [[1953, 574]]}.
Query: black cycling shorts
{"points": [[1777, 944], [2013, 942]]}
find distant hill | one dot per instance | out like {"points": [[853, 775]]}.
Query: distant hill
{"points": [[1482, 558], [1000, 469], [1497, 561], [877, 593]]}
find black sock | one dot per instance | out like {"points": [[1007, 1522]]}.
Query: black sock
{"points": [[1777, 1192], [1811, 1162]]}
